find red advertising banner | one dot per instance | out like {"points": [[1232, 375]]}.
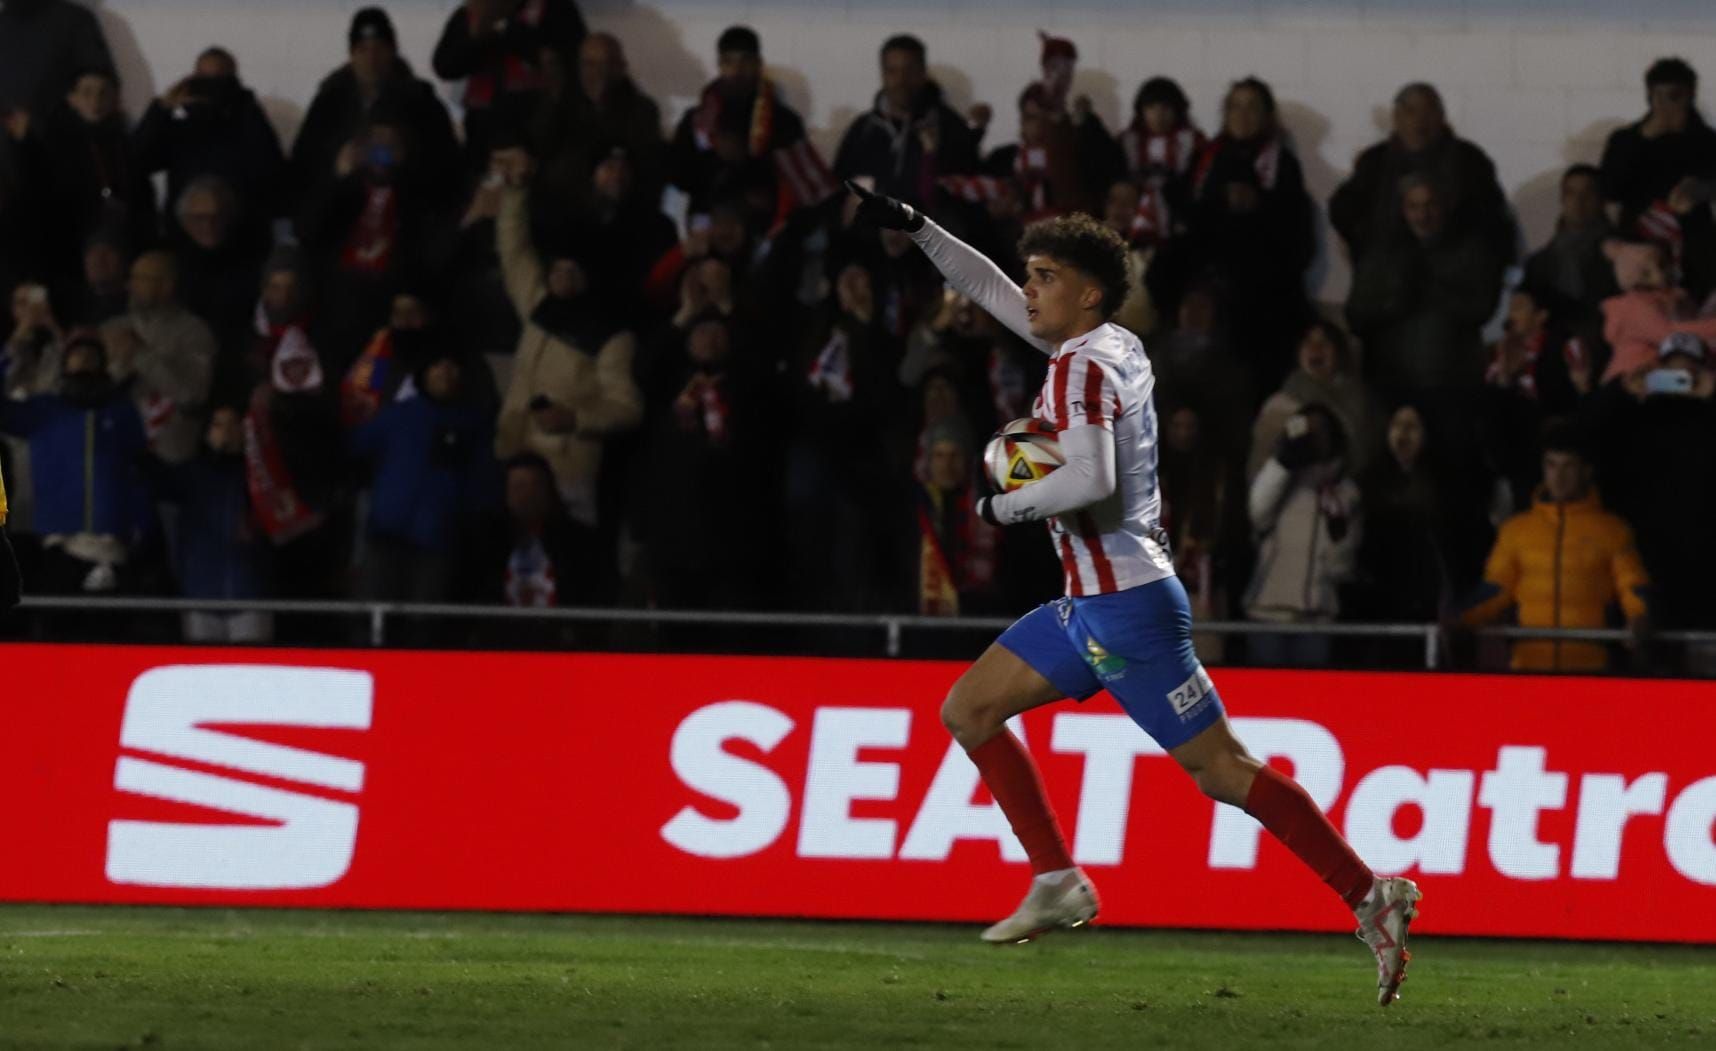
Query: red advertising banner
{"points": [[1577, 808]]}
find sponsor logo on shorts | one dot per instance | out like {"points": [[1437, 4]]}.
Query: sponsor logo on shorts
{"points": [[1191, 696], [1105, 664]]}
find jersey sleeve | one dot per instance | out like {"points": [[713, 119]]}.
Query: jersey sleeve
{"points": [[975, 276], [1084, 395], [1088, 477]]}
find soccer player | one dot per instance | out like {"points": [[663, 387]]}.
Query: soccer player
{"points": [[1124, 624]]}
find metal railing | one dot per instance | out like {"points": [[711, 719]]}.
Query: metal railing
{"points": [[892, 626]]}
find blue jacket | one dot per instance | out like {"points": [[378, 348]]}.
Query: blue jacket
{"points": [[434, 470], [84, 464], [222, 552]]}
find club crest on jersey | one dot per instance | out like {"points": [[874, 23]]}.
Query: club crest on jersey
{"points": [[1105, 664]]}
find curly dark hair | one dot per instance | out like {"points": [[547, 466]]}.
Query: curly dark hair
{"points": [[1086, 245]]}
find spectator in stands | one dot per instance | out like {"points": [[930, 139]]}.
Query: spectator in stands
{"points": [[32, 353], [1161, 147], [1418, 302], [1250, 227], [1129, 212], [1306, 514], [1570, 276], [21, 205], [842, 381], [91, 508], [294, 462], [533, 555], [434, 479], [210, 124], [32, 360], [1199, 512], [1325, 377], [1365, 208], [1065, 158], [499, 48], [701, 514], [1661, 171], [1423, 539], [1562, 564], [44, 44], [1196, 364], [374, 80], [1655, 438], [742, 141], [618, 222], [219, 260], [368, 232], [1051, 171], [595, 111], [1537, 371], [222, 554], [910, 136], [92, 174], [572, 382], [955, 558], [101, 293], [382, 373], [163, 356]]}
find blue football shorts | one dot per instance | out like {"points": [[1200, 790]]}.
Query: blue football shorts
{"points": [[1136, 644]]}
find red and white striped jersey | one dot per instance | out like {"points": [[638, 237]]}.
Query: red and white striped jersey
{"points": [[1104, 378]]}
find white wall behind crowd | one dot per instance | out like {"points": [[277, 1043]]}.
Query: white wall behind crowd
{"points": [[1537, 83]]}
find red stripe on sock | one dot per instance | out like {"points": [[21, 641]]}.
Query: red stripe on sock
{"points": [[1294, 818], [1012, 779]]}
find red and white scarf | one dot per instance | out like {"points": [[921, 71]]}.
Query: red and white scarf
{"points": [[1155, 159], [516, 73], [369, 248], [1267, 162], [280, 511]]}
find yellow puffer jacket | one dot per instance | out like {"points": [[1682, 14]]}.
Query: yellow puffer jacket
{"points": [[1562, 565]]}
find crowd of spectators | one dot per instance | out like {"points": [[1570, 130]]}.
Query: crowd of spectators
{"points": [[402, 357]]}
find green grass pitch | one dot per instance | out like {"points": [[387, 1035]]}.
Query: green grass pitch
{"points": [[74, 977]]}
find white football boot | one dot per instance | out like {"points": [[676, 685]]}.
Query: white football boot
{"points": [[1065, 899], [1383, 919]]}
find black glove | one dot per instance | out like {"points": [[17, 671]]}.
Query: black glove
{"points": [[885, 212], [987, 512]]}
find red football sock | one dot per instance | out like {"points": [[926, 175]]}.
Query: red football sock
{"points": [[1012, 779], [1291, 816]]}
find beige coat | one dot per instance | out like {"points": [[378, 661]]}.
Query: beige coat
{"points": [[170, 373], [596, 384]]}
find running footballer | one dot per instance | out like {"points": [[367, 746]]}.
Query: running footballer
{"points": [[1125, 623]]}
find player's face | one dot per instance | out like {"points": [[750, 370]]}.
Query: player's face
{"points": [[1058, 299]]}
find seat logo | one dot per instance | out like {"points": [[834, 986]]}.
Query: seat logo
{"points": [[291, 840]]}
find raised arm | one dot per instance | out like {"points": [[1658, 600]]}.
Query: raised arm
{"points": [[966, 269], [976, 276]]}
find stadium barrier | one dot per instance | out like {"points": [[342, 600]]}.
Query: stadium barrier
{"points": [[1526, 806], [377, 616]]}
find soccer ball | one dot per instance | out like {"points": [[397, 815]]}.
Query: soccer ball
{"points": [[1022, 452]]}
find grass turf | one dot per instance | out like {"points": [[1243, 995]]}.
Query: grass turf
{"points": [[74, 977]]}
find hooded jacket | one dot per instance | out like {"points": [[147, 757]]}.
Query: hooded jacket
{"points": [[1562, 565]]}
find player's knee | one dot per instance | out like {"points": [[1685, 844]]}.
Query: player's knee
{"points": [[967, 716], [1226, 778]]}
